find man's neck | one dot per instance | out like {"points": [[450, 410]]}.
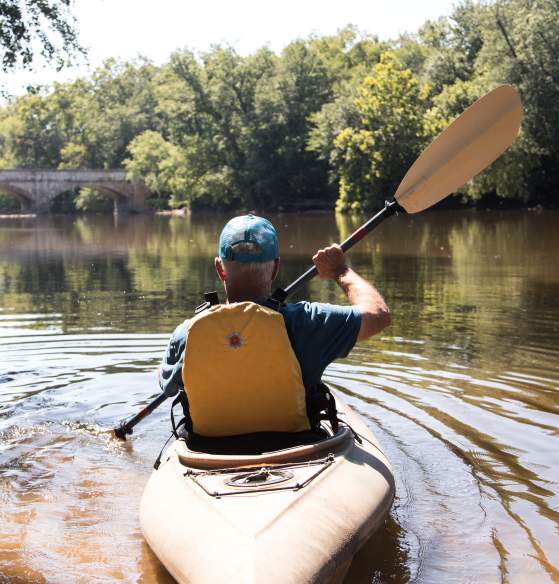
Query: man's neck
{"points": [[246, 295]]}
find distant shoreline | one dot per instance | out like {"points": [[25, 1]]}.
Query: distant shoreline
{"points": [[507, 205]]}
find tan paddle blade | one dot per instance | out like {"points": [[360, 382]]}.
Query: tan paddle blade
{"points": [[470, 144]]}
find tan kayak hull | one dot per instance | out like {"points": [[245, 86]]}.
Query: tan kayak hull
{"points": [[304, 529]]}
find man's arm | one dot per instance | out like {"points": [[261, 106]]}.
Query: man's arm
{"points": [[170, 371], [331, 264]]}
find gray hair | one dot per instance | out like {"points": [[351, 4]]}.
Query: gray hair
{"points": [[257, 272]]}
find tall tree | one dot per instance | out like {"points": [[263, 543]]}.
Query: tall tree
{"points": [[386, 135], [521, 47]]}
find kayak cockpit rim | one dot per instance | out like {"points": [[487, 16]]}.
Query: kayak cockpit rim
{"points": [[189, 458]]}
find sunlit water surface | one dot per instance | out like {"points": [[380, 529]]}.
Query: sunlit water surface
{"points": [[461, 390]]}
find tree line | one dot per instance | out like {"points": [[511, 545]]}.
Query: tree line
{"points": [[330, 121]]}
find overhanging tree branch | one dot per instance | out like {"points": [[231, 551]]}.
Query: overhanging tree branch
{"points": [[24, 24]]}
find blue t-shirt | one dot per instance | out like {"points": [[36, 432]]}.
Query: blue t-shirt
{"points": [[319, 334]]}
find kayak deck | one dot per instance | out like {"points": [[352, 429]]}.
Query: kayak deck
{"points": [[290, 516]]}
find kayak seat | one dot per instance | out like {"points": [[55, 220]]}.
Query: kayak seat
{"points": [[255, 443]]}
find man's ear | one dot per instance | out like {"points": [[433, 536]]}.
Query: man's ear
{"points": [[220, 270], [276, 268]]}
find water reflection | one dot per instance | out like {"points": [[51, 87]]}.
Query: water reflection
{"points": [[461, 390]]}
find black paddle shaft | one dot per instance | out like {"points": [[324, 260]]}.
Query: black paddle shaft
{"points": [[390, 208], [126, 426]]}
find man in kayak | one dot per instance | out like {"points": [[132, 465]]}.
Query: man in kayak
{"points": [[250, 365]]}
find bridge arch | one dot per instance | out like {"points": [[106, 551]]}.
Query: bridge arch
{"points": [[63, 201], [25, 199], [115, 194], [117, 200]]}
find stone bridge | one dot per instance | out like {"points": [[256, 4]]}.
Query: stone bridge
{"points": [[36, 189]]}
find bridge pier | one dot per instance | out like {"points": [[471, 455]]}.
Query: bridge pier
{"points": [[120, 206], [129, 198], [42, 197]]}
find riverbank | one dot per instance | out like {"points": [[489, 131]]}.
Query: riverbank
{"points": [[449, 204], [18, 215]]}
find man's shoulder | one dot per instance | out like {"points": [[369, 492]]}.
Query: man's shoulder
{"points": [[179, 334], [320, 333], [297, 310], [312, 307], [295, 307], [318, 311]]}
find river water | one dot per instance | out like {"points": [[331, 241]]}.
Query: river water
{"points": [[462, 389]]}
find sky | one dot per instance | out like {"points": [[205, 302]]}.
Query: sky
{"points": [[154, 28]]}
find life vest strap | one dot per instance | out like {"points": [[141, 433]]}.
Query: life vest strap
{"points": [[321, 405], [185, 421], [272, 303], [210, 299]]}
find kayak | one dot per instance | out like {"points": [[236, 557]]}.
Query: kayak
{"points": [[293, 515]]}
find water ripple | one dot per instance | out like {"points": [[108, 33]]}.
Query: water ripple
{"points": [[494, 425]]}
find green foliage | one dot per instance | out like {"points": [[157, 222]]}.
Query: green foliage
{"points": [[521, 47], [451, 46], [85, 123], [371, 155], [8, 204], [508, 177], [31, 26], [9, 127], [72, 156], [341, 115], [34, 136], [161, 166], [233, 129], [349, 54], [92, 201], [122, 104]]}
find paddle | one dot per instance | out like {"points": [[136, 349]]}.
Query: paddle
{"points": [[467, 146], [126, 426]]}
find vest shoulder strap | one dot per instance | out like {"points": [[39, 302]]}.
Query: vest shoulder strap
{"points": [[321, 405], [210, 299], [272, 303]]}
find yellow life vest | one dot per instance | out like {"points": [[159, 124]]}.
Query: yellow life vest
{"points": [[240, 373]]}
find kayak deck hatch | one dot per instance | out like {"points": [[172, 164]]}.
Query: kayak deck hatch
{"points": [[265, 479]]}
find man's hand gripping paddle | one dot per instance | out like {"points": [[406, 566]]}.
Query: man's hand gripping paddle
{"points": [[466, 147]]}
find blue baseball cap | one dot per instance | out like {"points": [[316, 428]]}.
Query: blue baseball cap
{"points": [[249, 229]]}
